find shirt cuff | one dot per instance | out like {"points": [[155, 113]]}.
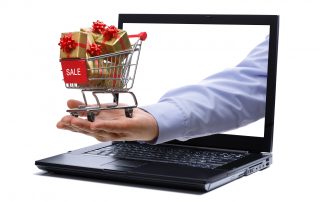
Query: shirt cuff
{"points": [[172, 121]]}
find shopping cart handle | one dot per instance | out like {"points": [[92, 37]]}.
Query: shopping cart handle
{"points": [[141, 35]]}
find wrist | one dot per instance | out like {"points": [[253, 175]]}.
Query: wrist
{"points": [[151, 125]]}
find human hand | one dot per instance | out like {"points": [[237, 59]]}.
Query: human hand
{"points": [[112, 125]]}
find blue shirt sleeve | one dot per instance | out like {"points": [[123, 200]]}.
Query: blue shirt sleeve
{"points": [[224, 101]]}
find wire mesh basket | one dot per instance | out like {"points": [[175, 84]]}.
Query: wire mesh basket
{"points": [[112, 73]]}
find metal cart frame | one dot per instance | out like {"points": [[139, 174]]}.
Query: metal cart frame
{"points": [[112, 73]]}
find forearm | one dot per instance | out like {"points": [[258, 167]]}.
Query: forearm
{"points": [[224, 101]]}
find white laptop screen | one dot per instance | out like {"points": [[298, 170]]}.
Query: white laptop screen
{"points": [[176, 55]]}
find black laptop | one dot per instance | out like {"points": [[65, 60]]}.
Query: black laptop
{"points": [[203, 163]]}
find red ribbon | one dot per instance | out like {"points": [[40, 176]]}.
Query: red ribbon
{"points": [[94, 49], [98, 27], [113, 31], [109, 33], [67, 44]]}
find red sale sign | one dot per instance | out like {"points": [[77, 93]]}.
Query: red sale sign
{"points": [[74, 71]]}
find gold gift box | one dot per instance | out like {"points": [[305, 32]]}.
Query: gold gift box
{"points": [[80, 49], [104, 74], [101, 73], [115, 44], [89, 31]]}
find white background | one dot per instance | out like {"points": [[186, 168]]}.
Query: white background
{"points": [[33, 100]]}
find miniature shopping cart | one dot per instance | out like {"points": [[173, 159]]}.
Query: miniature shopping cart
{"points": [[112, 73]]}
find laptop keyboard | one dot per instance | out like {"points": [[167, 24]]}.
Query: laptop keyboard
{"points": [[168, 154]]}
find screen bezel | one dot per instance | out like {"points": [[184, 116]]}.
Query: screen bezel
{"points": [[228, 141]]}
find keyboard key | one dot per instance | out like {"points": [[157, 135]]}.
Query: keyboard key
{"points": [[168, 154]]}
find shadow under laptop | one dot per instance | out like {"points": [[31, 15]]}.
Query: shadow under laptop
{"points": [[118, 183]]}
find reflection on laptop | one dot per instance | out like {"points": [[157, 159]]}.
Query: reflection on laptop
{"points": [[229, 99]]}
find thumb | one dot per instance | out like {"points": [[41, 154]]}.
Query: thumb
{"points": [[74, 103]]}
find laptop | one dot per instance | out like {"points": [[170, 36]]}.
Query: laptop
{"points": [[205, 162]]}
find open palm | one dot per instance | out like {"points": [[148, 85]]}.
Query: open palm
{"points": [[112, 125]]}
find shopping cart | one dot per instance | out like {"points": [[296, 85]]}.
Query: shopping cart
{"points": [[112, 73]]}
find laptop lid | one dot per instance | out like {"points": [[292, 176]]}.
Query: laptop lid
{"points": [[230, 33]]}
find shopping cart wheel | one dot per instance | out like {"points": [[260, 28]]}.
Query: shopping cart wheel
{"points": [[91, 116], [128, 112], [75, 114]]}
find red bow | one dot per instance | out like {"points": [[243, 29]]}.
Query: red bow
{"points": [[94, 49], [67, 44], [113, 31], [98, 27], [110, 32]]}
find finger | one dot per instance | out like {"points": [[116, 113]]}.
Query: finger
{"points": [[65, 122], [81, 124], [77, 130], [74, 129], [104, 138], [74, 103], [111, 126], [111, 137], [61, 125]]}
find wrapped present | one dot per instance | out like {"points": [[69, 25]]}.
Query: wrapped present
{"points": [[114, 77], [95, 69], [90, 31], [96, 30], [113, 40], [103, 74], [98, 27], [73, 45], [90, 41]]}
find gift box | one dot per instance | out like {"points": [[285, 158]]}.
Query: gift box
{"points": [[91, 32], [73, 45], [99, 39], [94, 67], [103, 74], [114, 77], [113, 40], [96, 29], [94, 73]]}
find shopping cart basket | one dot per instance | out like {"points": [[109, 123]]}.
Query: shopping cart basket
{"points": [[112, 73]]}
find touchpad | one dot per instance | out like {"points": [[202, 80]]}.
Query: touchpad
{"points": [[123, 164]]}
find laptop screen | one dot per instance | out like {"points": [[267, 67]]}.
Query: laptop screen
{"points": [[180, 54]]}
